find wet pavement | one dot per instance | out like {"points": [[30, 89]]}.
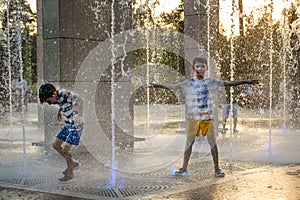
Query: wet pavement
{"points": [[253, 169], [274, 183]]}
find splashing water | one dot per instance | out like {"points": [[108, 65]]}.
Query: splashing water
{"points": [[284, 56], [9, 65], [22, 81], [113, 132], [271, 81], [232, 60]]}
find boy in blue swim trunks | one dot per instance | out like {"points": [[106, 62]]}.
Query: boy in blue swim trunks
{"points": [[200, 93], [70, 106]]}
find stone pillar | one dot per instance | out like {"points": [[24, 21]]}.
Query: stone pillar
{"points": [[68, 31], [196, 24], [40, 71]]}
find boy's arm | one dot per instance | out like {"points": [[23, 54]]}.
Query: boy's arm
{"points": [[165, 86], [240, 82], [79, 105], [59, 114]]}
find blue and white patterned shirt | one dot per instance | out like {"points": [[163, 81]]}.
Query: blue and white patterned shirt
{"points": [[67, 101], [199, 95]]}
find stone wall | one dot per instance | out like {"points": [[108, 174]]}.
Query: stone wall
{"points": [[199, 15]]}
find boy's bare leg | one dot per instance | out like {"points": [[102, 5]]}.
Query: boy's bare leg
{"points": [[224, 125], [234, 124], [214, 151], [188, 151], [69, 159], [57, 145]]}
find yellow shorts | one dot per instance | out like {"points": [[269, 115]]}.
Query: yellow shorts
{"points": [[205, 126]]}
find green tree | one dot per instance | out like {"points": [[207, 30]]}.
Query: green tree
{"points": [[260, 41], [26, 20], [293, 76], [143, 17]]}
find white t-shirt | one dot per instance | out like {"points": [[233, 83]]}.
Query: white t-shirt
{"points": [[200, 97]]}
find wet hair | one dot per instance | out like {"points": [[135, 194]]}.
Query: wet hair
{"points": [[46, 91], [199, 60]]}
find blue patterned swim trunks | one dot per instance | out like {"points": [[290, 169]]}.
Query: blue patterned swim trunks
{"points": [[71, 136]]}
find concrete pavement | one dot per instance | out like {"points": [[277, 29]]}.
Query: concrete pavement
{"points": [[255, 168]]}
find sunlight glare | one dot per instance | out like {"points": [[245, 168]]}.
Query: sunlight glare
{"points": [[32, 4], [248, 7], [166, 6]]}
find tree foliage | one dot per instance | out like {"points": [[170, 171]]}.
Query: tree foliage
{"points": [[266, 52], [26, 21], [143, 17]]}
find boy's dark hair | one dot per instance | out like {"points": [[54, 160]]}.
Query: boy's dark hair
{"points": [[46, 91], [199, 60]]}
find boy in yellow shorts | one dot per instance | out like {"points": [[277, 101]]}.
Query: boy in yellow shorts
{"points": [[200, 93]]}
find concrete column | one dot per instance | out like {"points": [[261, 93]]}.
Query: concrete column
{"points": [[198, 17]]}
